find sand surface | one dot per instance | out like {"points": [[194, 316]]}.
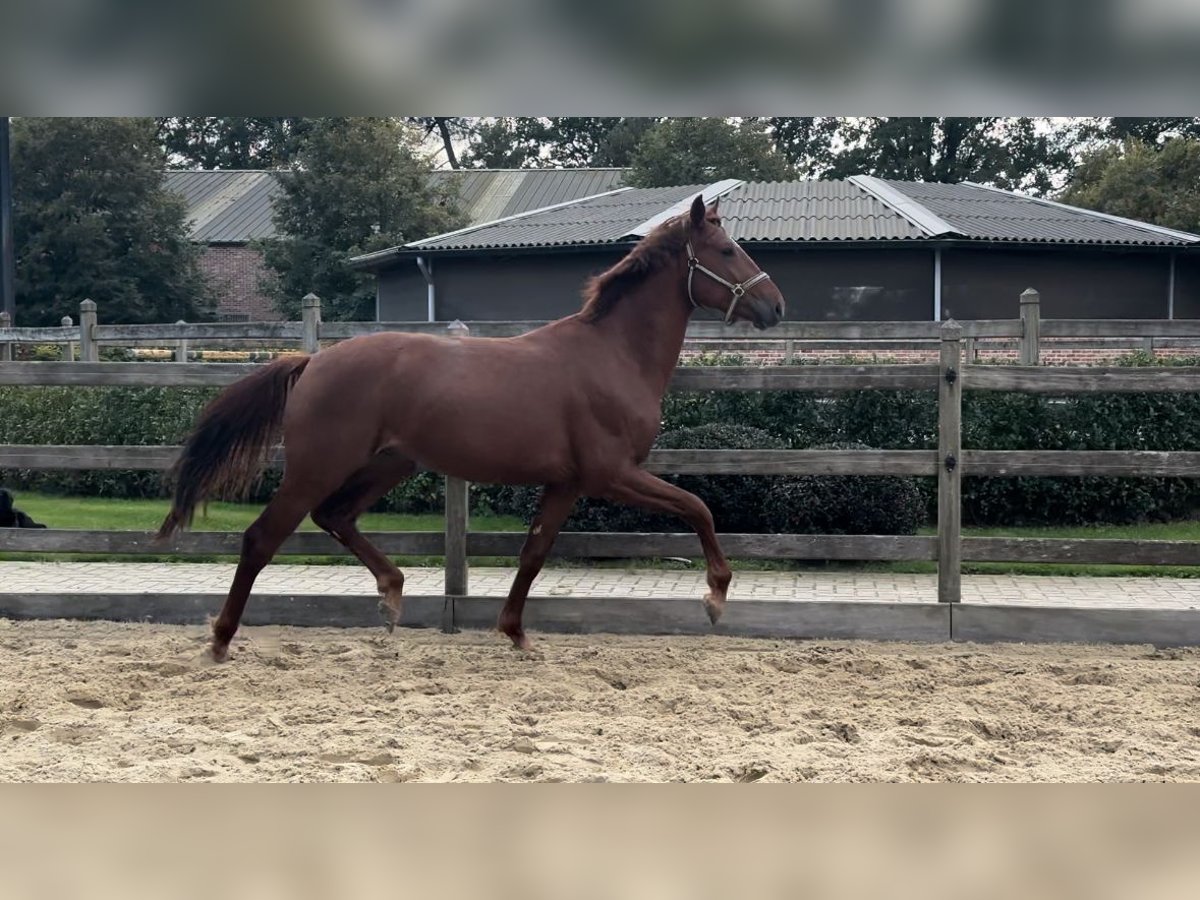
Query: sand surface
{"points": [[127, 702]]}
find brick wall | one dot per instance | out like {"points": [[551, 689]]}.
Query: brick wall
{"points": [[235, 272]]}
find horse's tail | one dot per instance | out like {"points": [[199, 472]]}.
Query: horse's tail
{"points": [[232, 439]]}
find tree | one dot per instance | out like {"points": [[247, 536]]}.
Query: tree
{"points": [[356, 185], [1012, 153], [231, 142], [1152, 130], [1135, 180], [91, 219], [702, 150], [517, 142]]}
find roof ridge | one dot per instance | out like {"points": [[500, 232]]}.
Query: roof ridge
{"points": [[536, 169], [520, 215], [170, 171], [1121, 220], [904, 206], [709, 192]]}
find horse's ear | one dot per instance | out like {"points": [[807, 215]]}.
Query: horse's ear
{"points": [[713, 208], [698, 212]]}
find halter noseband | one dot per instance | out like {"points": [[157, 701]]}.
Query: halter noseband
{"points": [[738, 290]]}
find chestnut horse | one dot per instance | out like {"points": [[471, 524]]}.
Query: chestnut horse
{"points": [[574, 405]]}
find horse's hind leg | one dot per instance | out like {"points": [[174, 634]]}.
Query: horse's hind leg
{"points": [[556, 504], [261, 540], [337, 514]]}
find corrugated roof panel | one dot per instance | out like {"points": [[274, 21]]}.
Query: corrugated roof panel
{"points": [[235, 206], [600, 219], [487, 194], [227, 207], [985, 214], [811, 211]]}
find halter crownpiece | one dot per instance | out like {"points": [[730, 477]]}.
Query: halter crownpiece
{"points": [[738, 290]]}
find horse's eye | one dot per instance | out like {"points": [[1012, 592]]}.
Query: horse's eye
{"points": [[728, 251]]}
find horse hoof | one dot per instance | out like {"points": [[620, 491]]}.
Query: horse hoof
{"points": [[389, 617], [219, 652], [520, 641], [714, 608]]}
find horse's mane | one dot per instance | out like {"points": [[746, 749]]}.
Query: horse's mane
{"points": [[651, 254]]}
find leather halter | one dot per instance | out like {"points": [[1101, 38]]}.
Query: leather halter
{"points": [[738, 290]]}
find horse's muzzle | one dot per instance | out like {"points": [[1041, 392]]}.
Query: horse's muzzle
{"points": [[766, 313]]}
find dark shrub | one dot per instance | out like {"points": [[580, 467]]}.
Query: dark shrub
{"points": [[845, 504]]}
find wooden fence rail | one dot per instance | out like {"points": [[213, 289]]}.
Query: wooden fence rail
{"points": [[953, 373]]}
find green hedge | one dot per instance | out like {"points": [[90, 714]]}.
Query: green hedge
{"points": [[884, 419]]}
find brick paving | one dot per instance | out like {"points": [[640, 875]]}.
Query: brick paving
{"points": [[204, 578]]}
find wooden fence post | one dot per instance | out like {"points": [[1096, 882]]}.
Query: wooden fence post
{"points": [[6, 349], [181, 346], [457, 509], [68, 349], [310, 311], [950, 465], [88, 351], [1031, 326]]}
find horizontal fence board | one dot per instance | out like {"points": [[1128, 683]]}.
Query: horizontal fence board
{"points": [[1093, 379], [68, 457], [1082, 550], [692, 378], [122, 374], [55, 334], [1048, 624], [737, 462], [620, 545], [697, 330], [200, 331], [805, 378], [1122, 463], [1178, 328], [795, 462], [708, 330], [1132, 463], [340, 331], [571, 545]]}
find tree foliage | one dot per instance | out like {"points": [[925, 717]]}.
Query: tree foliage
{"points": [[91, 219], [355, 185], [518, 142], [702, 150], [1008, 152], [229, 142], [1139, 181], [1152, 130]]}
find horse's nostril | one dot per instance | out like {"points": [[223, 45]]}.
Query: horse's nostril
{"points": [[779, 310]]}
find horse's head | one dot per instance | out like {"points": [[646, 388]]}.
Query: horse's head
{"points": [[722, 276]]}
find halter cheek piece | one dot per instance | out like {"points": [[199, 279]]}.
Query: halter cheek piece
{"points": [[738, 290]]}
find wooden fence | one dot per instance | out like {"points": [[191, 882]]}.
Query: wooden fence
{"points": [[949, 377]]}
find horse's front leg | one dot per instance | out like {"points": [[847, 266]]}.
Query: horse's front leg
{"points": [[637, 487], [553, 510]]}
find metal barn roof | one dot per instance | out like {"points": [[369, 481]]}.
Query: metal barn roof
{"points": [[229, 206], [858, 209], [234, 206]]}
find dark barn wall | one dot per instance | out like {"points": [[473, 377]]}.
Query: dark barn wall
{"points": [[818, 283], [856, 284], [492, 288], [828, 283], [1074, 284], [1187, 287]]}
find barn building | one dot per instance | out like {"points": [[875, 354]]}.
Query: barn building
{"points": [[862, 248]]}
